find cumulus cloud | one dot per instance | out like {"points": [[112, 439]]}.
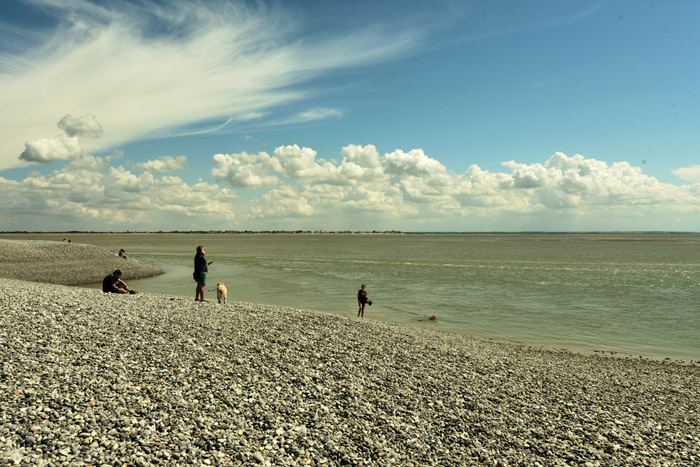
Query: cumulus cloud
{"points": [[413, 185], [245, 170], [44, 150], [405, 190], [285, 202], [85, 125], [689, 174], [363, 155], [153, 71], [163, 164], [89, 193], [414, 163], [88, 161], [572, 181], [296, 163], [62, 147]]}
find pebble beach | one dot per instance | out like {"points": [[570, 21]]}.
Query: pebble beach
{"points": [[103, 379], [65, 263]]}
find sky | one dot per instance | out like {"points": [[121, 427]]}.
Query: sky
{"points": [[554, 115]]}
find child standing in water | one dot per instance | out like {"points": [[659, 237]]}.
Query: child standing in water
{"points": [[362, 299]]}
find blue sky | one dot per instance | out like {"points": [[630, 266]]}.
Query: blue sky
{"points": [[454, 115]]}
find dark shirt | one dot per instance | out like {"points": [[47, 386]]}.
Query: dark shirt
{"points": [[108, 284], [362, 295], [200, 264]]}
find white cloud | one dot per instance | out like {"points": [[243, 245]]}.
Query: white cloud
{"points": [[284, 202], [319, 113], [85, 125], [402, 190], [163, 164], [208, 61], [364, 155], [689, 174], [92, 196], [576, 181], [88, 161], [415, 163], [62, 147], [295, 163], [413, 185], [311, 115], [245, 170], [44, 150]]}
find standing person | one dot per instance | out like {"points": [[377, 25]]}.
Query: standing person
{"points": [[200, 273], [362, 299]]}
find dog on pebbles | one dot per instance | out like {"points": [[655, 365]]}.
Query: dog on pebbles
{"points": [[221, 292]]}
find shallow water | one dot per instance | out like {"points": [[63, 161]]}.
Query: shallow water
{"points": [[626, 293]]}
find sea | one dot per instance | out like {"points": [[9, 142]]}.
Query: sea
{"points": [[627, 294]]}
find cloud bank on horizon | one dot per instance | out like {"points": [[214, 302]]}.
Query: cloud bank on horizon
{"points": [[104, 77], [294, 189]]}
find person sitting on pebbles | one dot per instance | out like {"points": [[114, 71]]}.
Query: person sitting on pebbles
{"points": [[113, 284], [122, 254]]}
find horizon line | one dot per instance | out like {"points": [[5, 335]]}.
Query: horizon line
{"points": [[321, 231]]}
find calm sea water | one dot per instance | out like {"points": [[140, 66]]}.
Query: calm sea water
{"points": [[628, 293]]}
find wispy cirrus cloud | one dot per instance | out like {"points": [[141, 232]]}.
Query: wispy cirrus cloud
{"points": [[312, 115], [318, 113], [147, 70]]}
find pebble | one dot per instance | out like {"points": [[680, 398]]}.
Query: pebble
{"points": [[66, 263], [102, 379]]}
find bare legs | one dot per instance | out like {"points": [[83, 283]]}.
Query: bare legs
{"points": [[199, 293]]}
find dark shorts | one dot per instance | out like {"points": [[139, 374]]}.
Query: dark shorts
{"points": [[203, 280]]}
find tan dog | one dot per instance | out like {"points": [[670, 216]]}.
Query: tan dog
{"points": [[221, 292]]}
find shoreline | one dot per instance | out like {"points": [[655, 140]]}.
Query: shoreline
{"points": [[137, 379], [31, 259], [424, 324], [429, 326]]}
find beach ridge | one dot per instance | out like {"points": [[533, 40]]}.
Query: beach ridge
{"points": [[66, 263]]}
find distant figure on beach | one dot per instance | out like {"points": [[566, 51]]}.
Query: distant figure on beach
{"points": [[362, 299], [113, 284], [122, 254], [200, 273]]}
